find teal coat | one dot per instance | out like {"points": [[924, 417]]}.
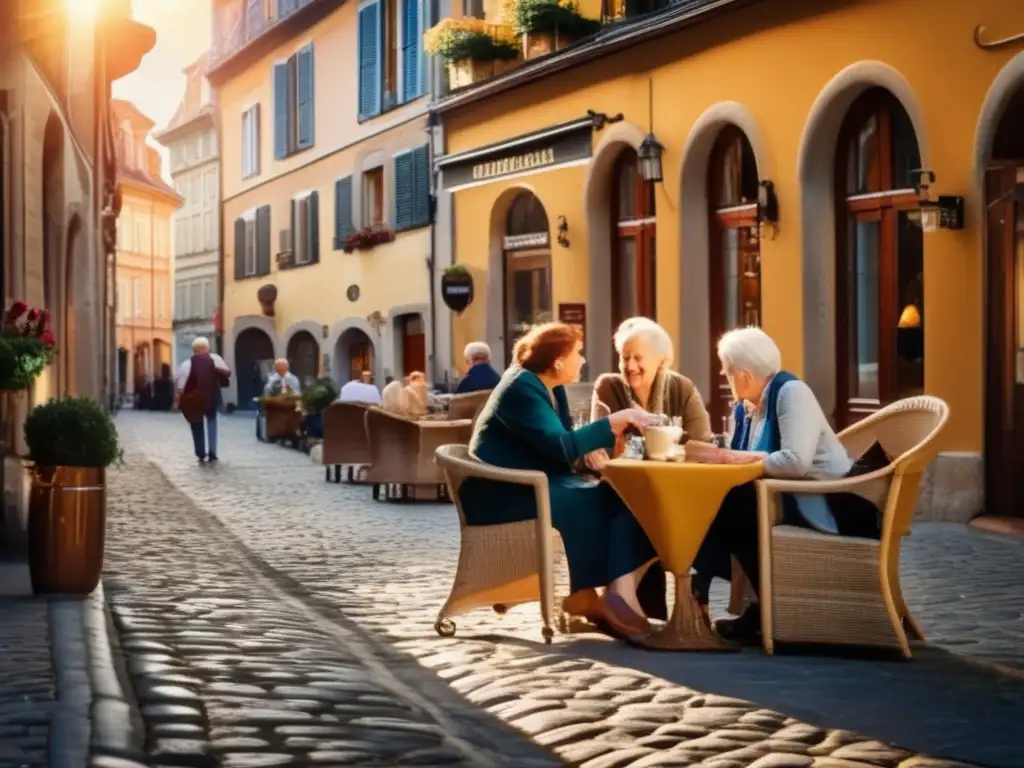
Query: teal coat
{"points": [[519, 428]]}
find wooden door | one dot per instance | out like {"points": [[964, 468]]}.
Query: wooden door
{"points": [[414, 352], [1004, 401]]}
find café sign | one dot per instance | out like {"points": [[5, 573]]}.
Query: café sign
{"points": [[562, 144]]}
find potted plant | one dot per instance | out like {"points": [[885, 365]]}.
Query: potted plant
{"points": [[315, 401], [26, 346], [474, 49], [457, 288], [550, 25], [366, 239], [71, 442]]}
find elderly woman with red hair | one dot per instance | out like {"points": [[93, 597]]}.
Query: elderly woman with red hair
{"points": [[526, 424]]}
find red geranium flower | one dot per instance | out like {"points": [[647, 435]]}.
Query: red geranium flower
{"points": [[48, 338], [44, 322], [32, 315], [17, 310]]}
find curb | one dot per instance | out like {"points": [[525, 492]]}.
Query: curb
{"points": [[93, 714]]}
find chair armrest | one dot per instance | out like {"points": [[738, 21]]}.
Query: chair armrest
{"points": [[839, 485]]}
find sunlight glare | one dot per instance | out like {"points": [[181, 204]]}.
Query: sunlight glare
{"points": [[84, 10]]}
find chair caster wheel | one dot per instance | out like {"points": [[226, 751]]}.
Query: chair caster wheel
{"points": [[445, 628], [501, 609], [549, 635]]}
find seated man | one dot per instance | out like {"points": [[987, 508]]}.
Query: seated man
{"points": [[480, 375], [360, 390], [282, 381]]}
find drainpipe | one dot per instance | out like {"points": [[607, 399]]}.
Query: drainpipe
{"points": [[431, 260]]}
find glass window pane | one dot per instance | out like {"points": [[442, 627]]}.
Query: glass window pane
{"points": [[910, 308], [730, 279], [625, 187], [862, 159], [528, 295], [625, 279], [862, 310], [526, 216], [905, 155]]}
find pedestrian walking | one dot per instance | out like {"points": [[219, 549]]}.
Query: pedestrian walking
{"points": [[199, 382]]}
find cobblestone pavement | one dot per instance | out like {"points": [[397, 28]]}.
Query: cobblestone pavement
{"points": [[27, 695], [231, 669], [601, 704]]}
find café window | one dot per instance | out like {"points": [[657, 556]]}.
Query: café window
{"points": [[527, 256], [633, 242], [880, 264], [735, 250]]}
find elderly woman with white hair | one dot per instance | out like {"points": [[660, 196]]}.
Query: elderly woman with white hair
{"points": [[645, 380], [778, 421]]}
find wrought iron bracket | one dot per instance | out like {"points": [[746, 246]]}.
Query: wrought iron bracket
{"points": [[601, 119], [993, 44]]}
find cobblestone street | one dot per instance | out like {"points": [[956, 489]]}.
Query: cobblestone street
{"points": [[272, 651]]}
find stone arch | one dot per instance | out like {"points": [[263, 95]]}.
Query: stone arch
{"points": [[694, 343], [303, 355], [241, 324], [997, 99], [314, 329], [816, 173], [494, 294], [337, 338], [597, 202]]}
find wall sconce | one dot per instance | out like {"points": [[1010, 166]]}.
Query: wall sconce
{"points": [[648, 158], [600, 119], [767, 207], [945, 212], [563, 232]]}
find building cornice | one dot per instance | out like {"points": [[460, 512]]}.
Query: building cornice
{"points": [[202, 120], [612, 39]]}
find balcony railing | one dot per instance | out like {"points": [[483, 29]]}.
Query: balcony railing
{"points": [[257, 17]]}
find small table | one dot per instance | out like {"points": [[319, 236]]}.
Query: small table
{"points": [[675, 503]]}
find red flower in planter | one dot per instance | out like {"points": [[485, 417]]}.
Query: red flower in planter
{"points": [[18, 308], [44, 321], [48, 339]]}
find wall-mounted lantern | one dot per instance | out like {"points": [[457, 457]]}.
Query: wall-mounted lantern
{"points": [[648, 154], [945, 212], [563, 232], [767, 206]]}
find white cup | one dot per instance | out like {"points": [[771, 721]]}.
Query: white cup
{"points": [[660, 441]]}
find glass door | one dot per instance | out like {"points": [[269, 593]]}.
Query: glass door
{"points": [[527, 294]]}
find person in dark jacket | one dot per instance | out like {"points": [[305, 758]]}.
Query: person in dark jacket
{"points": [[480, 375], [204, 373]]}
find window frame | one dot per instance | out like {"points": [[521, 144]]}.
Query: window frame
{"points": [[249, 217], [293, 145], [251, 142], [389, 98], [642, 228], [378, 204], [883, 206]]}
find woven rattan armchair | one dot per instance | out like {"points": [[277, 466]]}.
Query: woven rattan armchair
{"points": [[842, 590], [402, 450], [500, 565], [283, 418], [345, 442], [466, 406]]}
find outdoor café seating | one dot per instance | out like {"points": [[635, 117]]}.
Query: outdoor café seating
{"points": [[283, 418], [345, 443], [467, 405]]}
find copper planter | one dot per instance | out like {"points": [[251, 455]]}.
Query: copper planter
{"points": [[66, 528]]}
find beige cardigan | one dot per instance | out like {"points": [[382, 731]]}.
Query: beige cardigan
{"points": [[672, 394]]}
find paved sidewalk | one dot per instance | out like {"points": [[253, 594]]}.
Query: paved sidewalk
{"points": [[27, 696], [601, 704]]}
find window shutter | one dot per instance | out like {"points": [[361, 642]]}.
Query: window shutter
{"points": [[421, 185], [405, 191], [342, 211], [411, 50], [263, 240], [291, 228], [369, 59], [239, 248], [284, 7], [281, 110], [313, 227], [306, 113], [254, 127]]}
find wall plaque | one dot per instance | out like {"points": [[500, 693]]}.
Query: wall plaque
{"points": [[352, 293], [574, 315]]}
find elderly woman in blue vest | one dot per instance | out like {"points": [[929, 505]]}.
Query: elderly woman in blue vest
{"points": [[777, 420], [526, 424]]}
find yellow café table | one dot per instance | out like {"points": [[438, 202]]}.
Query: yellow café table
{"points": [[675, 503]]}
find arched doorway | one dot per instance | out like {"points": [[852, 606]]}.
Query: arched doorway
{"points": [[122, 371], [1004, 401], [634, 252], [734, 264], [303, 357], [353, 354], [527, 262], [879, 259], [254, 356]]}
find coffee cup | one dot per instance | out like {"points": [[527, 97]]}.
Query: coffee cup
{"points": [[660, 442]]}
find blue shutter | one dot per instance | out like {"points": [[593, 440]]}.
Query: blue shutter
{"points": [[421, 186], [281, 120], [306, 113], [342, 211], [369, 59], [405, 191], [411, 50], [313, 226], [284, 7]]}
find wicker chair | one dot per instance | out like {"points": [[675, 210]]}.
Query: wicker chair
{"points": [[841, 590], [402, 450], [283, 418], [467, 405], [345, 442], [500, 565]]}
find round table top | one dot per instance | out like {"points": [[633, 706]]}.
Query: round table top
{"points": [[676, 501]]}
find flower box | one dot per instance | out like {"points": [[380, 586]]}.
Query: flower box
{"points": [[365, 239], [468, 71]]}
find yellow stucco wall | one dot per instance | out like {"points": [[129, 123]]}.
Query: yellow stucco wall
{"points": [[775, 60]]}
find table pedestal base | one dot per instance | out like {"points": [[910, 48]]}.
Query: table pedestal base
{"points": [[687, 629]]}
